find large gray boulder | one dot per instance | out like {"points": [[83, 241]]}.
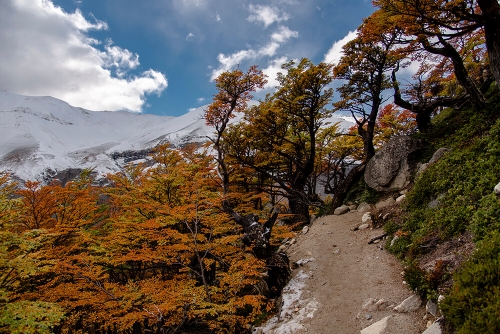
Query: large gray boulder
{"points": [[393, 166]]}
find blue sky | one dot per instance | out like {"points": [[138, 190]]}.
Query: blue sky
{"points": [[159, 56]]}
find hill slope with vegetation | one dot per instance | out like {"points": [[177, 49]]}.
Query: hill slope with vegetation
{"points": [[453, 205]]}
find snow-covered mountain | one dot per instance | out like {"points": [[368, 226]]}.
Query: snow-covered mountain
{"points": [[43, 135]]}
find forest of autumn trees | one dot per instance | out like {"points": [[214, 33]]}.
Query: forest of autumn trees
{"points": [[188, 242]]}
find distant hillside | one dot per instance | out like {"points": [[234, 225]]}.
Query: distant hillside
{"points": [[43, 133], [45, 136]]}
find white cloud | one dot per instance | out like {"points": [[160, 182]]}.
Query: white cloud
{"points": [[117, 57], [226, 63], [46, 51], [272, 71], [190, 36], [335, 53], [284, 34], [266, 14], [217, 17], [201, 99]]}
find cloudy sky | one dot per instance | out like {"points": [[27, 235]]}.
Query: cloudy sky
{"points": [[160, 56]]}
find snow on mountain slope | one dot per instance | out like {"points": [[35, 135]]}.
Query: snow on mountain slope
{"points": [[45, 135]]}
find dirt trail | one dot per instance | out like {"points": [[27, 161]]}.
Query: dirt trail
{"points": [[341, 272]]}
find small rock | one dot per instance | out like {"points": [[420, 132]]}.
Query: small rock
{"points": [[435, 328], [367, 217], [394, 240], [305, 229], [385, 202], [497, 189], [376, 241], [377, 328], [368, 316], [369, 304], [341, 210], [400, 198], [364, 207], [435, 202], [438, 154], [372, 304], [432, 308], [440, 299], [381, 304], [336, 251], [282, 248], [363, 226], [410, 304], [353, 207], [313, 218]]}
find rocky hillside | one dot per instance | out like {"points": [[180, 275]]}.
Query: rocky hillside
{"points": [[445, 231]]}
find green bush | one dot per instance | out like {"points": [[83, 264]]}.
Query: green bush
{"points": [[461, 184], [487, 217], [473, 305], [361, 192]]}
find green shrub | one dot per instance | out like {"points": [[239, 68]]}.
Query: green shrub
{"points": [[487, 217], [473, 305], [361, 192]]}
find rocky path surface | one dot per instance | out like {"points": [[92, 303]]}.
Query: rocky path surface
{"points": [[342, 284]]}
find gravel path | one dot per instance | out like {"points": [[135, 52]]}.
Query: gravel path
{"points": [[338, 273]]}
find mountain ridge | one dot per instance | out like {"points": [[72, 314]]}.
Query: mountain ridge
{"points": [[41, 136]]}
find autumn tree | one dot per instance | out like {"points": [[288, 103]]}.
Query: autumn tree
{"points": [[234, 92], [277, 138], [168, 254], [365, 65], [446, 20], [39, 204], [442, 28], [337, 154], [394, 121]]}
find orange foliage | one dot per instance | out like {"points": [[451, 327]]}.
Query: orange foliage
{"points": [[159, 255]]}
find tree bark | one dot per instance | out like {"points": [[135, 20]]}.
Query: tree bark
{"points": [[491, 15], [341, 192], [299, 207], [459, 69], [423, 110], [256, 234]]}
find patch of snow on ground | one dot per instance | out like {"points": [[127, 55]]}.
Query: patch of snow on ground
{"points": [[294, 309], [301, 262]]}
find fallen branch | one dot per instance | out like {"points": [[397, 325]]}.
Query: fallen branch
{"points": [[372, 240]]}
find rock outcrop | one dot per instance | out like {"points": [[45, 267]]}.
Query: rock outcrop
{"points": [[435, 158], [392, 167]]}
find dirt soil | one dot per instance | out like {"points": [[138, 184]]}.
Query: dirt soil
{"points": [[337, 273]]}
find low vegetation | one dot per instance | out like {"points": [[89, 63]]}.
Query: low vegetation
{"points": [[452, 200]]}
